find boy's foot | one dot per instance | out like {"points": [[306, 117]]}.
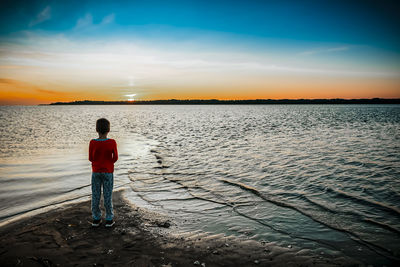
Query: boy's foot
{"points": [[96, 223], [109, 223]]}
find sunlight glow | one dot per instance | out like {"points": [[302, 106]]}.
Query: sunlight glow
{"points": [[130, 97]]}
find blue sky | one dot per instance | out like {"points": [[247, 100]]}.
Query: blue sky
{"points": [[354, 22], [275, 38]]}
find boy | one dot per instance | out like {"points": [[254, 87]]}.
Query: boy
{"points": [[103, 154]]}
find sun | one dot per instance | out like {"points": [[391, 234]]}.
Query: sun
{"points": [[130, 97]]}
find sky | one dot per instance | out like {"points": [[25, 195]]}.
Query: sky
{"points": [[141, 50]]}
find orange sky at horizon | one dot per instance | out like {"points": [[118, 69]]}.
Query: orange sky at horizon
{"points": [[46, 70], [15, 92], [32, 75]]}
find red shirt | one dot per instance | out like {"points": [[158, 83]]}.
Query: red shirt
{"points": [[103, 153]]}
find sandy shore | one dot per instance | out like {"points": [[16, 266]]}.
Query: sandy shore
{"points": [[64, 237]]}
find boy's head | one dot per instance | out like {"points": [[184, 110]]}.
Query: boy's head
{"points": [[102, 126]]}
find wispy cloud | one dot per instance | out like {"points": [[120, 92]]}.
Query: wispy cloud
{"points": [[26, 86], [325, 50], [49, 92], [9, 81], [145, 60], [108, 19], [86, 22], [19, 92], [43, 15]]}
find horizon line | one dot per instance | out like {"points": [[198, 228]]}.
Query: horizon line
{"points": [[236, 101]]}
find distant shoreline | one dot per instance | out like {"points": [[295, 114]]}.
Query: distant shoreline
{"points": [[234, 102]]}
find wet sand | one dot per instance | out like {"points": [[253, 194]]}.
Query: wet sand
{"points": [[64, 237]]}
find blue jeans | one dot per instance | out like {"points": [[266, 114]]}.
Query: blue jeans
{"points": [[105, 180]]}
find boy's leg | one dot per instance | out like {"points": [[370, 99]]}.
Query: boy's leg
{"points": [[107, 191], [96, 194]]}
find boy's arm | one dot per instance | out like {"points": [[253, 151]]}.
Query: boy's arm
{"points": [[91, 151], [115, 152]]}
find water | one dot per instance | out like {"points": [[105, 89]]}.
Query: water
{"points": [[320, 177]]}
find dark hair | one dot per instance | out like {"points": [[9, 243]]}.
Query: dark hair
{"points": [[102, 126]]}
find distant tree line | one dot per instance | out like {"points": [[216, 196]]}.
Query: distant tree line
{"points": [[236, 102]]}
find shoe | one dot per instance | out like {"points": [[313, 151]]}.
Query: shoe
{"points": [[96, 223], [109, 223]]}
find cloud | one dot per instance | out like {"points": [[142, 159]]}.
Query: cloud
{"points": [[44, 15], [28, 87], [84, 22], [17, 92], [49, 92], [19, 84], [325, 50], [108, 19], [9, 81]]}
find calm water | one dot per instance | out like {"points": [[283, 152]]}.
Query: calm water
{"points": [[325, 178]]}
